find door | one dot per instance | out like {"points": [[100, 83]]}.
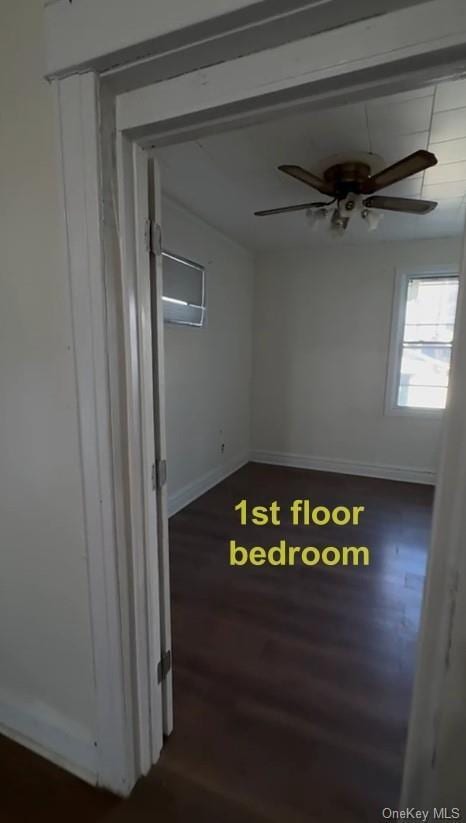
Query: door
{"points": [[158, 358]]}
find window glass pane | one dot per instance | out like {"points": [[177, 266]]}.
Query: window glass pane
{"points": [[437, 333], [422, 397], [424, 376], [425, 365], [430, 309], [182, 281], [183, 291], [182, 314]]}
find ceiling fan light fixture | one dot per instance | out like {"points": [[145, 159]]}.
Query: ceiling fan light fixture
{"points": [[372, 218], [338, 223], [336, 231], [350, 204], [316, 217]]}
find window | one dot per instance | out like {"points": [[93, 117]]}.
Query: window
{"points": [[183, 291], [422, 335]]}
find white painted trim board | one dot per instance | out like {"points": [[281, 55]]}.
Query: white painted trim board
{"points": [[404, 474], [191, 491], [79, 153]]}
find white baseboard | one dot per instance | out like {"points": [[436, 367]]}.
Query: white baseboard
{"points": [[36, 728], [384, 472], [191, 491]]}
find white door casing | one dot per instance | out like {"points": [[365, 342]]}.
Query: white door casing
{"points": [[156, 271], [80, 162]]}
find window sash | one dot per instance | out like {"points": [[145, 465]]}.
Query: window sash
{"points": [[184, 294], [439, 338], [442, 363]]}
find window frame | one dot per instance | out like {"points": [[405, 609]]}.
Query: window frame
{"points": [[402, 278], [185, 261]]}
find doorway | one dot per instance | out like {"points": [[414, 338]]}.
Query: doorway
{"points": [[144, 118], [299, 658]]}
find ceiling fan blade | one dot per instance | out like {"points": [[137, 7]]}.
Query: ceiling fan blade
{"points": [[412, 164], [298, 207], [310, 179], [403, 204]]}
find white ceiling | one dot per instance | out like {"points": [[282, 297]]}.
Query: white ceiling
{"points": [[225, 177]]}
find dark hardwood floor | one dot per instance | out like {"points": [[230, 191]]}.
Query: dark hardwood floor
{"points": [[292, 685]]}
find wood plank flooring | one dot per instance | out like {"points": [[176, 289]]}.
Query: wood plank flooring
{"points": [[292, 685]]}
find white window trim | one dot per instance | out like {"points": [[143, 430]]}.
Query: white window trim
{"points": [[402, 278]]}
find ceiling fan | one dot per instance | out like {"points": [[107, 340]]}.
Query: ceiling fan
{"points": [[353, 188]]}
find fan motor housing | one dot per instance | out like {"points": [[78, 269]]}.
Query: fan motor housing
{"points": [[347, 177]]}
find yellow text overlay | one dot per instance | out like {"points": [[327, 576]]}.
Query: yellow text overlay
{"points": [[298, 513], [285, 555]]}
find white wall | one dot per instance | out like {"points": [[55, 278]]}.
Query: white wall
{"points": [[208, 370], [322, 329], [46, 669]]}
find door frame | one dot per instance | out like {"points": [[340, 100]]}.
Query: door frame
{"points": [[103, 139]]}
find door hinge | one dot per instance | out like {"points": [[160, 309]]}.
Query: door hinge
{"points": [[153, 237], [164, 666], [159, 474]]}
